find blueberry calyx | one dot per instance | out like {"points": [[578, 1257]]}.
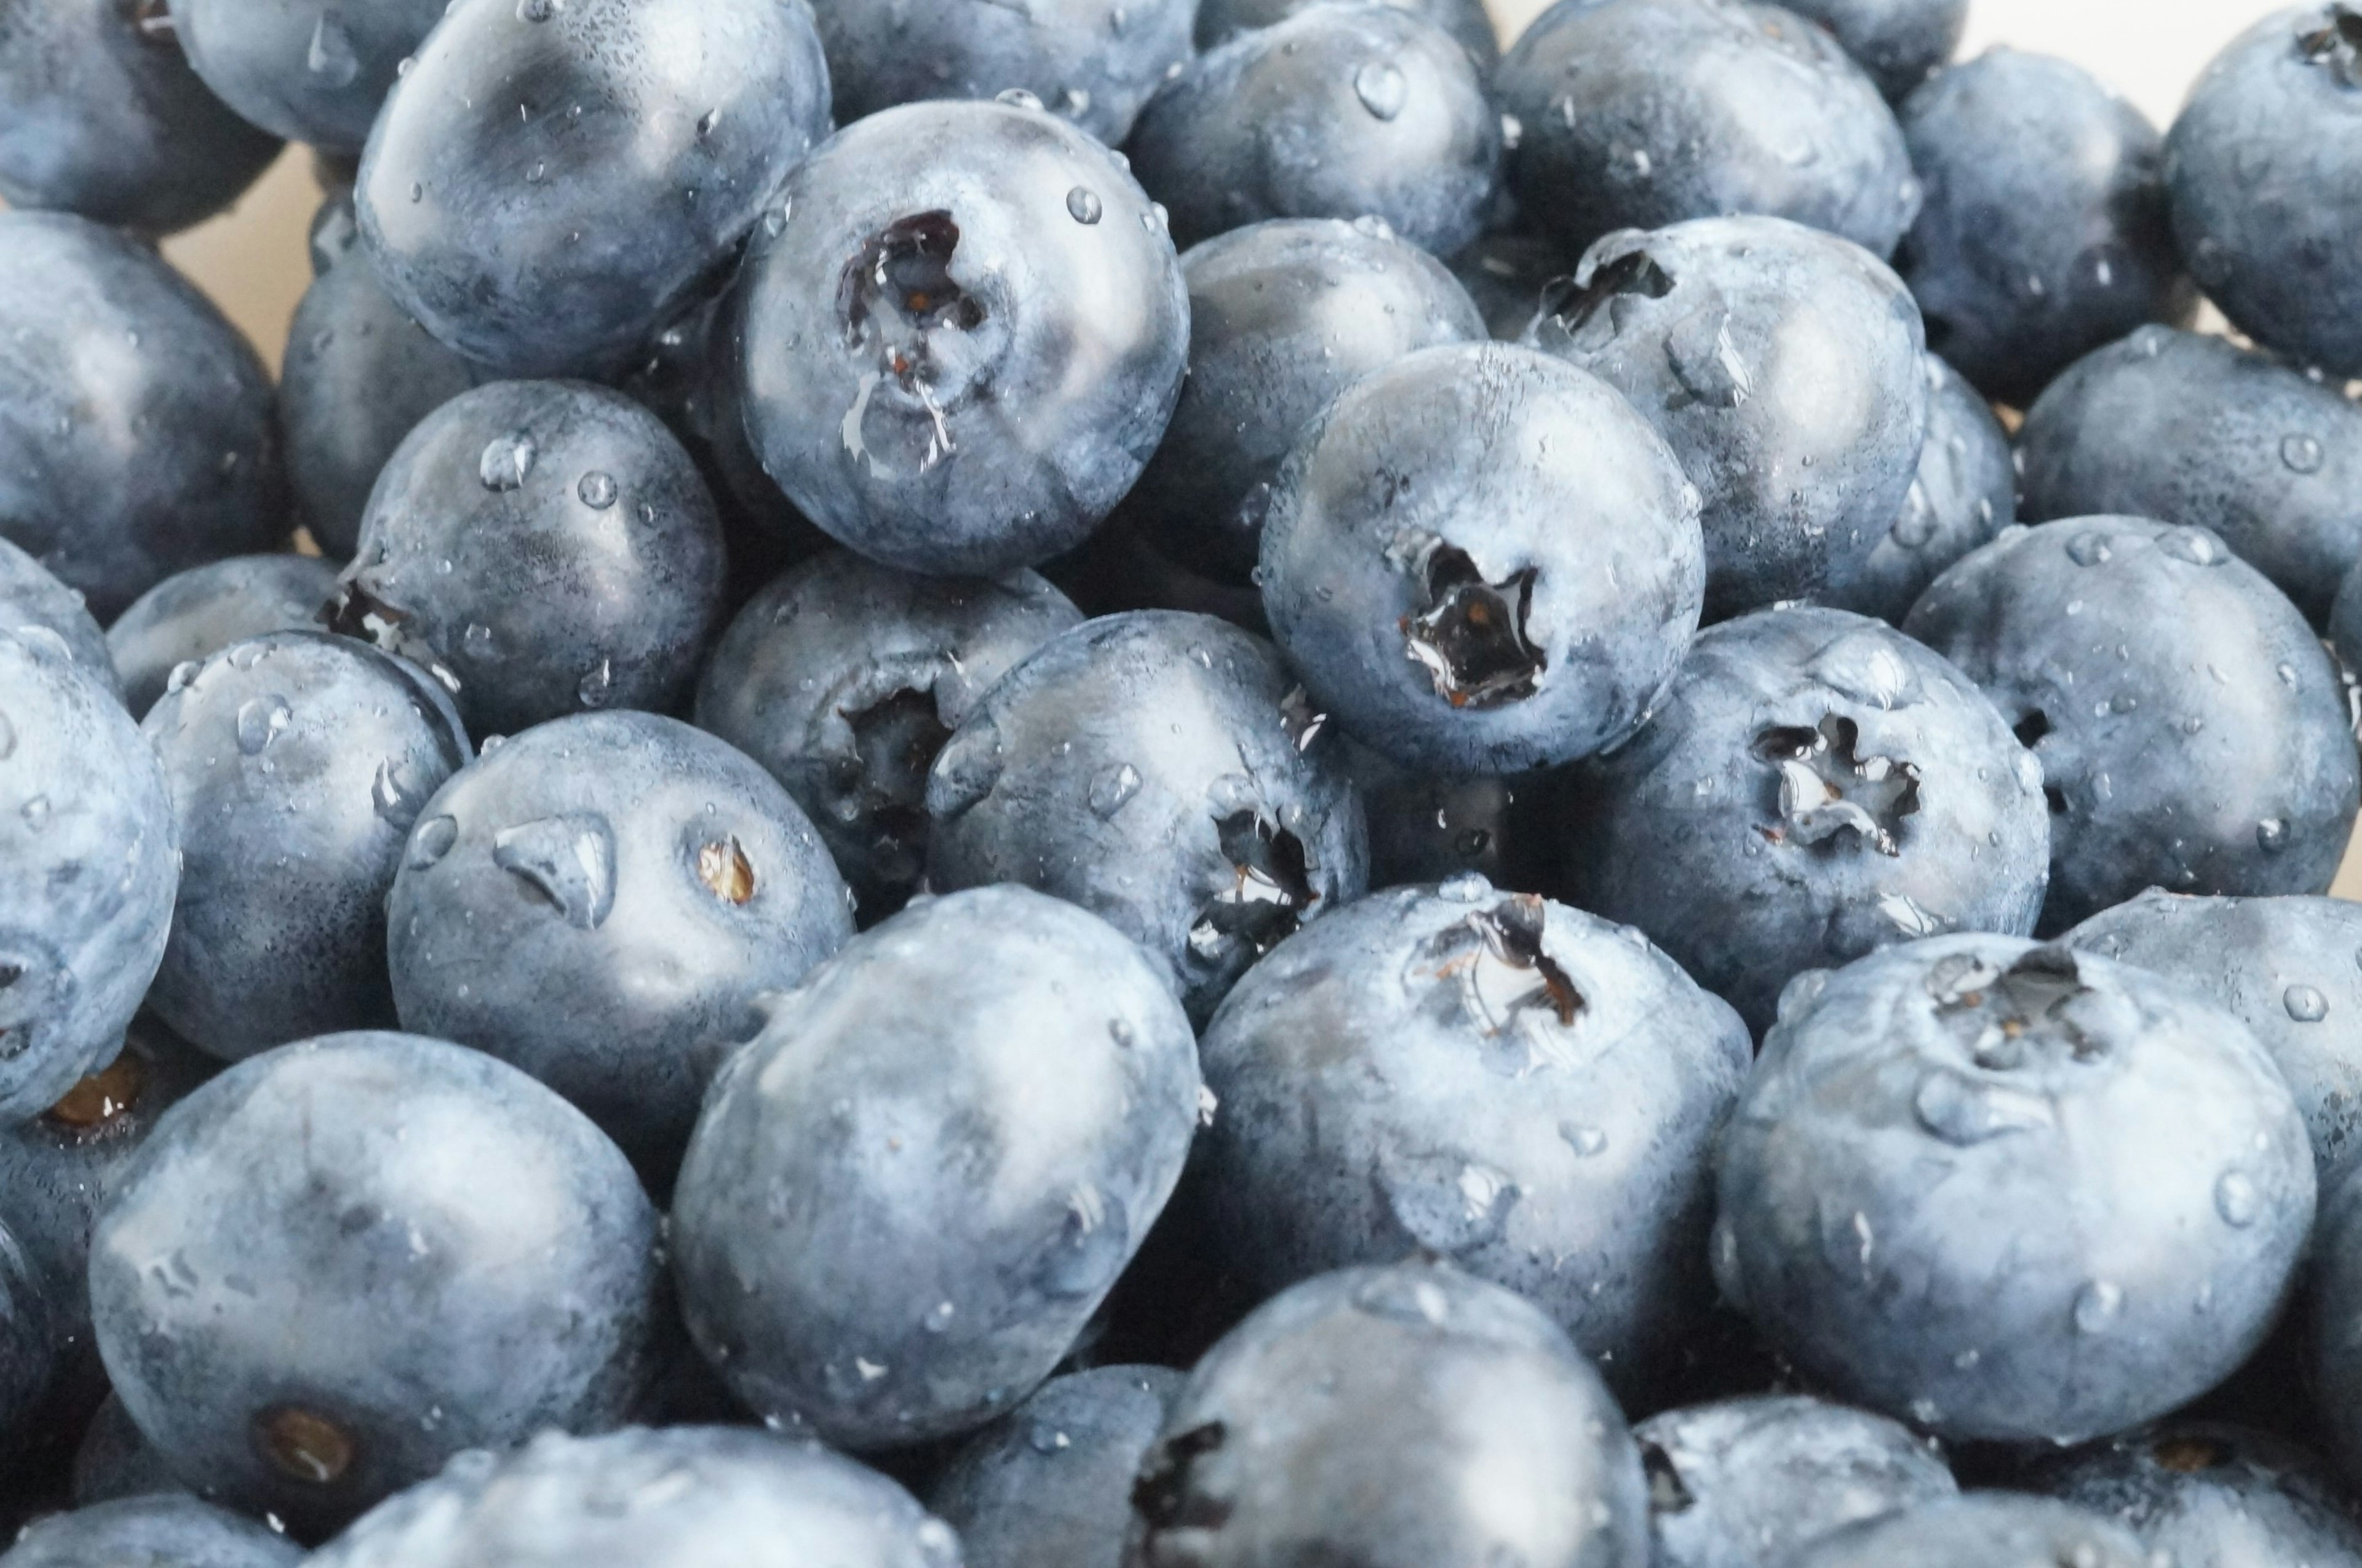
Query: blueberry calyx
{"points": [[2336, 44], [900, 302], [895, 742], [1827, 787], [1667, 1494], [1495, 957], [1999, 1010], [1269, 891], [1573, 302], [302, 1444], [1471, 633], [1163, 1495]]}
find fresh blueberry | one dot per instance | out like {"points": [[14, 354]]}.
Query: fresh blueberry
{"points": [[2202, 1496], [1964, 494], [163, 1530], [194, 615], [2345, 624], [91, 863], [542, 547], [1341, 111], [1785, 369], [1049, 1485], [904, 1199], [1507, 275], [1969, 1125], [34, 604], [342, 1262], [2191, 429], [554, 177], [297, 763], [1427, 827], [1741, 1482], [603, 901], [1093, 62], [99, 338], [2265, 179], [1900, 43], [1282, 316], [1465, 20], [1983, 1529], [845, 678], [2192, 731], [306, 70], [960, 337], [1159, 769], [1526, 1091], [1812, 787], [117, 1460], [1393, 1418], [1644, 113], [2044, 232], [100, 115]]}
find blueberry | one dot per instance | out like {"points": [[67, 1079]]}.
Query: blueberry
{"points": [[2193, 735], [1466, 20], [164, 1528], [1524, 1089], [1093, 62], [194, 615], [34, 604], [102, 338], [2044, 232], [960, 337], [1741, 1482], [1159, 769], [305, 70], [86, 836], [342, 1262], [603, 901], [1785, 369], [1813, 786], [1900, 43], [1505, 274], [1393, 1418], [1482, 559], [2204, 1496], [2345, 624], [1969, 1124], [2265, 180], [904, 1201], [1643, 113], [1339, 111], [1964, 494], [542, 547], [115, 1460], [1282, 316], [359, 375], [553, 179], [1984, 1529], [845, 678], [2191, 429], [297, 763], [100, 115], [1049, 1485], [683, 1498]]}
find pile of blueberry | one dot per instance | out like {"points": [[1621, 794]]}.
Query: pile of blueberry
{"points": [[1550, 808]]}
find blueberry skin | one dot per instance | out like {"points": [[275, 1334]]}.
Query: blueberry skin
{"points": [[1786, 369], [1049, 1485], [194, 615], [359, 376], [1284, 316], [1694, 109], [603, 901], [1812, 787], [445, 1253], [516, 236], [297, 763], [1528, 1091], [1466, 20], [1334, 111], [2044, 232], [1160, 769], [957, 352], [1481, 557], [1982, 1529], [906, 1198], [2206, 1495], [1969, 1124], [35, 604], [2186, 428], [101, 115], [2193, 735], [99, 336], [115, 1460], [1093, 62], [1507, 274], [542, 548], [2264, 180], [1900, 43], [87, 835], [677, 1497], [845, 677], [1741, 1482], [163, 1528], [1965, 493], [2344, 626], [304, 69], [1385, 1417], [2284, 966]]}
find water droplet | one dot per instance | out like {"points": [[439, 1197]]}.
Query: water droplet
{"points": [[1090, 1248], [1467, 887], [432, 842], [2196, 546], [259, 722], [1018, 98], [2302, 454], [567, 859], [182, 673], [1083, 205], [506, 461], [1446, 1204], [395, 799], [2089, 549], [1585, 1140], [2097, 1305], [535, 10], [597, 685], [1044, 1438], [2234, 1200], [1404, 1295], [1114, 789], [597, 490], [2271, 836], [331, 56], [2305, 1004], [1382, 89], [706, 123], [939, 1317], [35, 811]]}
